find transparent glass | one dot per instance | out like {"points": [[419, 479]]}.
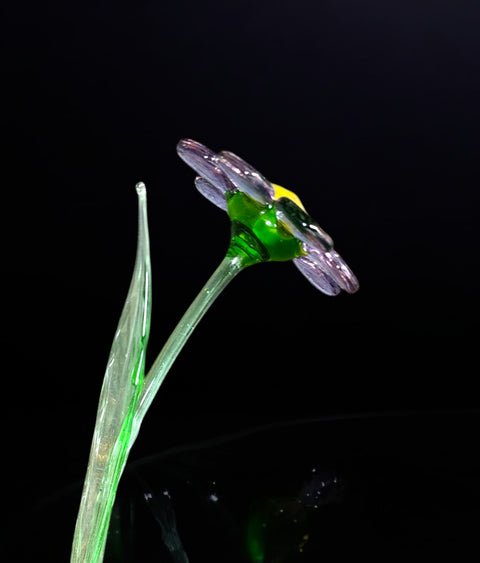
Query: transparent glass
{"points": [[260, 232], [121, 390]]}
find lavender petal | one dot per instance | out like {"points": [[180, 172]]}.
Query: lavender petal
{"points": [[245, 177], [205, 163], [211, 192]]}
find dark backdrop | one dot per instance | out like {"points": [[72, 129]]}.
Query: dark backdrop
{"points": [[368, 110]]}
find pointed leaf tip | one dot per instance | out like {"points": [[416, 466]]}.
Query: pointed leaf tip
{"points": [[141, 188]]}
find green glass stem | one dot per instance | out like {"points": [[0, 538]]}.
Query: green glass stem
{"points": [[256, 236], [126, 392], [230, 266]]}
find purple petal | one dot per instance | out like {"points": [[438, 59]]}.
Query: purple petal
{"points": [[205, 163], [316, 276], [211, 192], [245, 177], [301, 225], [333, 265]]}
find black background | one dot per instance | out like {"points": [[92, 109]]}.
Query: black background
{"points": [[368, 110]]}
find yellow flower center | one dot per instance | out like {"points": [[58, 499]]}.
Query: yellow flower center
{"points": [[283, 192]]}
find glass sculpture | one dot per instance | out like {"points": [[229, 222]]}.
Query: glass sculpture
{"points": [[268, 223]]}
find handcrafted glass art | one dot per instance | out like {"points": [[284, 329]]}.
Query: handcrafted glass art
{"points": [[268, 223]]}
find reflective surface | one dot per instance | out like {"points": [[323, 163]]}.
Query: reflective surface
{"points": [[382, 486]]}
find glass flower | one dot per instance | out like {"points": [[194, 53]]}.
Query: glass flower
{"points": [[269, 222]]}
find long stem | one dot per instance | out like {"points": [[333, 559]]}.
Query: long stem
{"points": [[226, 271]]}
